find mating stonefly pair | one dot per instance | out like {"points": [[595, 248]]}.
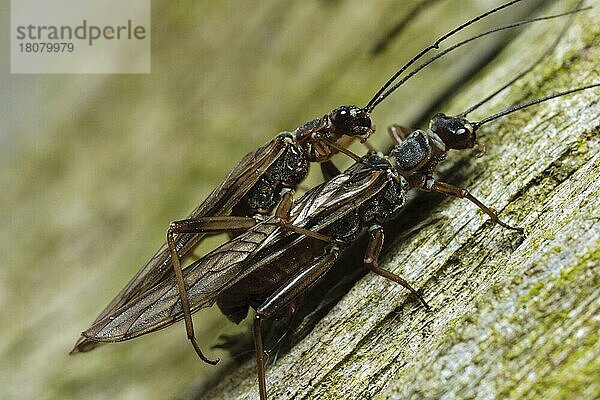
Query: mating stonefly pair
{"points": [[270, 265]]}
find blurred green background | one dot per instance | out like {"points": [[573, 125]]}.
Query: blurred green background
{"points": [[94, 167]]}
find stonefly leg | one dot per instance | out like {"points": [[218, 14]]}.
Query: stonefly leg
{"points": [[201, 225], [286, 294], [371, 261], [462, 193]]}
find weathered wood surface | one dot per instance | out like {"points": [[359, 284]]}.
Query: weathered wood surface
{"points": [[512, 317], [98, 165]]}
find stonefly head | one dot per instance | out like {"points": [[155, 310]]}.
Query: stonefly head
{"points": [[456, 132], [352, 121]]}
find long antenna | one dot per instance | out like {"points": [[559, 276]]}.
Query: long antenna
{"points": [[548, 51], [518, 107], [462, 43], [375, 100]]}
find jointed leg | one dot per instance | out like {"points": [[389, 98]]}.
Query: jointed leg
{"points": [[462, 193], [211, 225], [280, 300], [372, 259], [260, 358], [329, 170], [282, 215], [198, 226], [398, 133], [369, 147]]}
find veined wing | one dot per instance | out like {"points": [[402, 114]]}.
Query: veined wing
{"points": [[319, 208], [161, 306], [220, 202], [231, 262], [327, 203]]}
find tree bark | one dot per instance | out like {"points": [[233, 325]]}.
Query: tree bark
{"points": [[513, 316]]}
